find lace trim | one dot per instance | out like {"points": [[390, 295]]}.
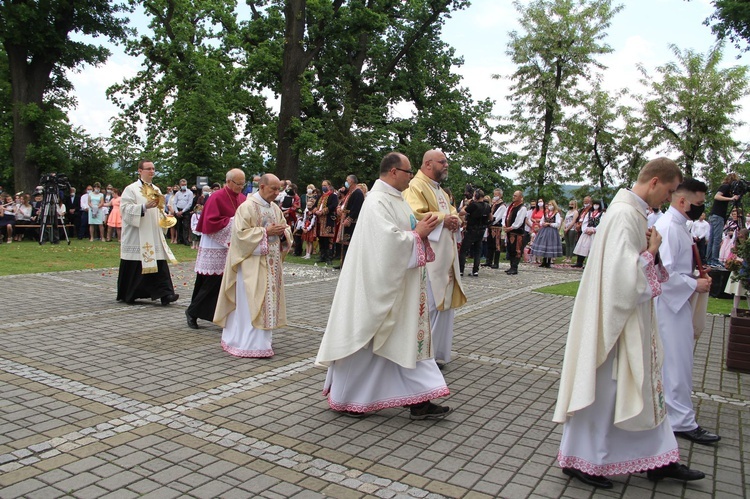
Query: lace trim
{"points": [[388, 403], [211, 261], [425, 254], [247, 353], [224, 235], [623, 468], [654, 276]]}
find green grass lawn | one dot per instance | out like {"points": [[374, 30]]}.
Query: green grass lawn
{"points": [[715, 305], [28, 257]]}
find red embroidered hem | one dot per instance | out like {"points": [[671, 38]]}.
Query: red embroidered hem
{"points": [[623, 468], [387, 404], [247, 353]]}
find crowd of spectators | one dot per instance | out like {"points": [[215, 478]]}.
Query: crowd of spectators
{"points": [[318, 217]]}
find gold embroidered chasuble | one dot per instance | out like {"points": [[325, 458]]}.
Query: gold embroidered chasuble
{"points": [[142, 237]]}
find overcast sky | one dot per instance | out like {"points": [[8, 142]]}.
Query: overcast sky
{"points": [[641, 32]]}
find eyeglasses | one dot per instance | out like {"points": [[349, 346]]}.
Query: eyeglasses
{"points": [[405, 171], [441, 161], [243, 184]]}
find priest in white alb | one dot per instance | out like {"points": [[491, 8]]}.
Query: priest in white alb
{"points": [[611, 396], [144, 272], [251, 300], [377, 344], [674, 309]]}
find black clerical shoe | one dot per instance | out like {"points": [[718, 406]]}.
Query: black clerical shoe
{"points": [[595, 481], [675, 470], [699, 436], [166, 300], [511, 271], [355, 414], [428, 410], [192, 322]]}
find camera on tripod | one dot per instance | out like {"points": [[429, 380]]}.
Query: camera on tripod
{"points": [[739, 187], [52, 182]]}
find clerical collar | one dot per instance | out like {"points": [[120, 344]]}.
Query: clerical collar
{"points": [[144, 182], [256, 195], [642, 203], [388, 187]]}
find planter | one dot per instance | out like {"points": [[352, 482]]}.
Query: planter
{"points": [[738, 347]]}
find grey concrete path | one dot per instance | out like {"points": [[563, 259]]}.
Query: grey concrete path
{"points": [[101, 399]]}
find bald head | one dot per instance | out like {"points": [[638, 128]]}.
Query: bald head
{"points": [[235, 180], [435, 165], [270, 186]]}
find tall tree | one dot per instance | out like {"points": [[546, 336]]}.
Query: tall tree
{"points": [[596, 136], [731, 20], [692, 106], [188, 99], [345, 66], [37, 40], [554, 53]]}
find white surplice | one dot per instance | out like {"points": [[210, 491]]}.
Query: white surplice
{"points": [[610, 397], [377, 343], [675, 316]]}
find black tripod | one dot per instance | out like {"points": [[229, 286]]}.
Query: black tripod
{"points": [[737, 205], [48, 217]]}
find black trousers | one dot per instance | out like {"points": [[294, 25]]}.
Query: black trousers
{"points": [[472, 245]]}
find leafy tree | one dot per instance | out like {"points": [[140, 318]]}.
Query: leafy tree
{"points": [[731, 20], [36, 39], [189, 97], [344, 67], [692, 106], [555, 52]]}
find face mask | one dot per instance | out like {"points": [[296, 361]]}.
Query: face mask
{"points": [[289, 192], [183, 187], [496, 198], [596, 207], [346, 184], [571, 207], [255, 185], [89, 191], [109, 191], [96, 190], [540, 204], [325, 189], [549, 207], [695, 211], [586, 205], [309, 191]]}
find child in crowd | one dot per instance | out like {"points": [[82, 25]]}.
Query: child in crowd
{"points": [[739, 268], [307, 224], [196, 238]]}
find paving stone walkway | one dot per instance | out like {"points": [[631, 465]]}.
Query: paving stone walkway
{"points": [[101, 399]]}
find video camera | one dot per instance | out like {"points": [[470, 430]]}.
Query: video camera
{"points": [[739, 187], [52, 182]]}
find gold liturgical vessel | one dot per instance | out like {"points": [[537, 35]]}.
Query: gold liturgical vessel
{"points": [[151, 194]]}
